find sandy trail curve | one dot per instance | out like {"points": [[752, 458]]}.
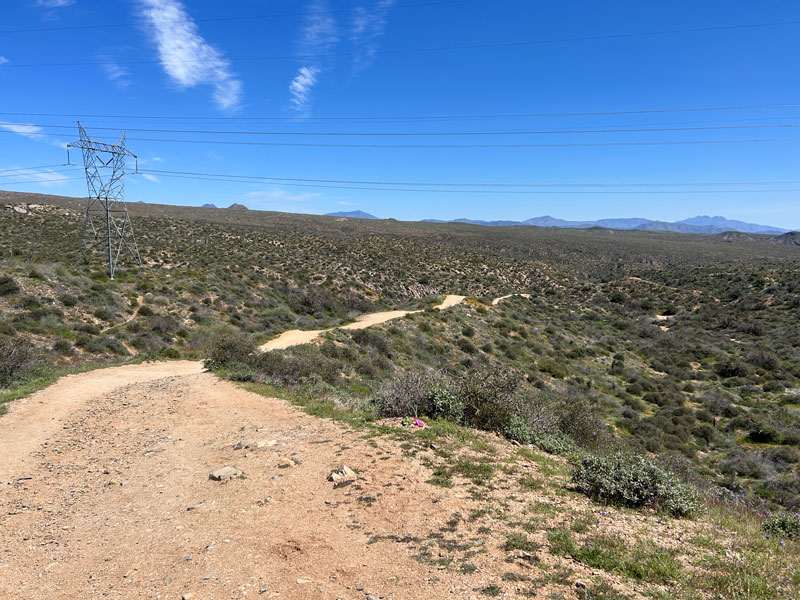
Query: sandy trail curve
{"points": [[497, 301], [296, 337]]}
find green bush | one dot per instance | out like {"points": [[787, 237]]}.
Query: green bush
{"points": [[784, 525], [8, 286], [19, 361], [229, 346], [444, 404], [555, 442], [517, 429], [633, 480]]}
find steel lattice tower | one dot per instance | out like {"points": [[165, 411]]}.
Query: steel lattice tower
{"points": [[107, 220]]}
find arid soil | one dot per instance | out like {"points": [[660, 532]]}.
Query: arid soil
{"points": [[106, 493]]}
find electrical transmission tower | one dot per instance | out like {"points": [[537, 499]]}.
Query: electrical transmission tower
{"points": [[107, 221]]}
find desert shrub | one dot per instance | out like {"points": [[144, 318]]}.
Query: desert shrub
{"points": [[404, 395], [784, 525], [555, 442], [517, 429], [29, 302], [633, 480], [764, 433], [577, 417], [488, 398], [228, 347], [444, 404], [557, 370], [763, 359], [163, 324], [295, 365], [68, 300], [145, 311], [19, 360], [8, 286], [364, 337], [104, 314], [731, 367], [64, 347]]}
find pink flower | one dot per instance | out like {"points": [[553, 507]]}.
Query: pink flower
{"points": [[417, 422]]}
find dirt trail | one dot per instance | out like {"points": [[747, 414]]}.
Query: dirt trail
{"points": [[139, 303], [104, 492], [296, 337], [35, 419], [497, 301], [113, 498]]}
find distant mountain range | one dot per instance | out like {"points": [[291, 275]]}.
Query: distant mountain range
{"points": [[699, 224], [353, 214]]}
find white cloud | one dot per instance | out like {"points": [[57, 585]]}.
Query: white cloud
{"points": [[45, 177], [55, 3], [3, 60], [150, 178], [30, 131], [318, 35], [119, 76], [301, 85], [185, 56], [276, 198], [157, 159], [367, 26]]}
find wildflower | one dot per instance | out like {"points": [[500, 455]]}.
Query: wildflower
{"points": [[783, 544], [766, 536]]}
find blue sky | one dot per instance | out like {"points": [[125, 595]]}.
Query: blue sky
{"points": [[279, 68]]}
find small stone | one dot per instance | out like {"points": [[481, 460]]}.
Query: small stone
{"points": [[360, 588], [238, 446], [344, 473], [224, 474], [186, 558], [187, 596], [303, 580]]}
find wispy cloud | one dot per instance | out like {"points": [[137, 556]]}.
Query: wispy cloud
{"points": [[44, 177], [3, 60], [277, 198], [31, 132], [185, 55], [317, 36], [367, 26], [54, 3], [150, 178], [116, 74], [301, 85]]}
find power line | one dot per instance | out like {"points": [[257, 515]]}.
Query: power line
{"points": [[220, 19], [22, 174], [432, 133], [30, 168], [418, 117], [440, 191], [481, 46], [437, 146], [5, 183], [464, 184]]}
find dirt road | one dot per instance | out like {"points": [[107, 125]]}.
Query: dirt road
{"points": [[105, 493], [296, 337]]}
